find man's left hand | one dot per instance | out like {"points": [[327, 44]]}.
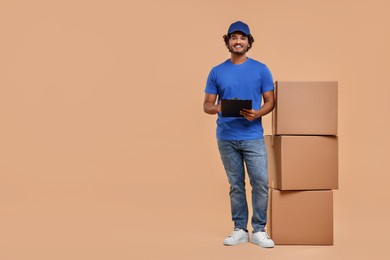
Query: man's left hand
{"points": [[249, 114]]}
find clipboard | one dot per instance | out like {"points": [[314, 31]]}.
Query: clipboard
{"points": [[232, 107]]}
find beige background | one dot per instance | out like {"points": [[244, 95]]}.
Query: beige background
{"points": [[105, 152]]}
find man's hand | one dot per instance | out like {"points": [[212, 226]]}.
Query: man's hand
{"points": [[209, 105], [250, 114], [269, 103], [219, 108]]}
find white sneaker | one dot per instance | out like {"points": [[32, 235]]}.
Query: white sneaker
{"points": [[262, 239], [238, 236]]}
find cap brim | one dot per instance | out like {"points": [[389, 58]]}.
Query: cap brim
{"points": [[238, 31]]}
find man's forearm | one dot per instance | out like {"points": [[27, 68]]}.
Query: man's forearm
{"points": [[265, 109], [210, 108]]}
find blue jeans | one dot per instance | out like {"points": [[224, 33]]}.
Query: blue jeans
{"points": [[254, 154]]}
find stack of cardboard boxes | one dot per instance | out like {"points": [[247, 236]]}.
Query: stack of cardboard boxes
{"points": [[303, 163]]}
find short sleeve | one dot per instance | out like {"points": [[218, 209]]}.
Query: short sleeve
{"points": [[211, 84], [267, 83]]}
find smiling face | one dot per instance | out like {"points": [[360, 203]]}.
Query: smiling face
{"points": [[238, 43]]}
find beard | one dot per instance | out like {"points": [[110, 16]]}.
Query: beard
{"points": [[243, 51]]}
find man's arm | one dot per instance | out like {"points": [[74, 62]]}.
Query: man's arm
{"points": [[268, 106], [209, 105]]}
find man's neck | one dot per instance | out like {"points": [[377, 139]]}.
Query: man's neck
{"points": [[238, 58]]}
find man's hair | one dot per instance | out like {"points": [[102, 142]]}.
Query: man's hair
{"points": [[227, 37]]}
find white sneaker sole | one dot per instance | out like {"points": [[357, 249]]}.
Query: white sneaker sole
{"points": [[262, 245], [236, 242]]}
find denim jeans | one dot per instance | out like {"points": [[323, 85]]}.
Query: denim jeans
{"points": [[254, 154]]}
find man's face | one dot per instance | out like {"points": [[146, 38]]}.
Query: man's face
{"points": [[238, 43]]}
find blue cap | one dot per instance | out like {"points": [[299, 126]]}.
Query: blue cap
{"points": [[239, 27]]}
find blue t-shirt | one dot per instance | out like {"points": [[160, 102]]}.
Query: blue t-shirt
{"points": [[247, 80]]}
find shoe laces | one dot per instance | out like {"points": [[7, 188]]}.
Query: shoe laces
{"points": [[266, 235], [234, 232]]}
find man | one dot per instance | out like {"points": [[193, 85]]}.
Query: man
{"points": [[240, 139]]}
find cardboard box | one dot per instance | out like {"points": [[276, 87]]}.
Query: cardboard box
{"points": [[300, 217], [302, 162], [305, 108]]}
